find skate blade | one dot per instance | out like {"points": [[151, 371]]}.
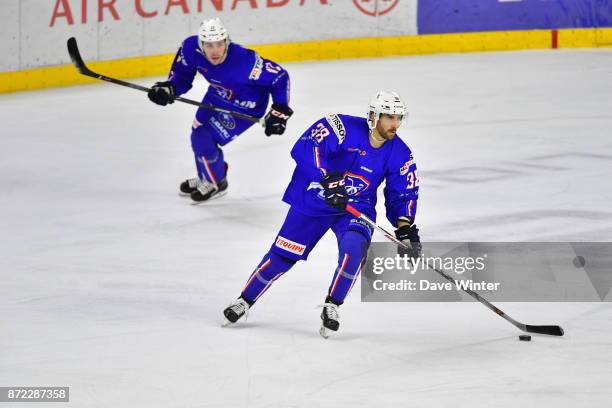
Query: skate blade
{"points": [[325, 332], [184, 194], [226, 323], [218, 195]]}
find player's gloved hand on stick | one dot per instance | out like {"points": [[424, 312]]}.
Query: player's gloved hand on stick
{"points": [[409, 235], [335, 191], [276, 119], [162, 93]]}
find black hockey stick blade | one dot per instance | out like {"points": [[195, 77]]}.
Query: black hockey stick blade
{"points": [[550, 330], [75, 56]]}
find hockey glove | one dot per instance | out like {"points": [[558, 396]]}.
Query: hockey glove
{"points": [[335, 191], [162, 93], [409, 235], [276, 119]]}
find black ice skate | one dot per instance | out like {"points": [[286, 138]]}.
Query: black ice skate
{"points": [[189, 186], [236, 310], [329, 317], [206, 191]]}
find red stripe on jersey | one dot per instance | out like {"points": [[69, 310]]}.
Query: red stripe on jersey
{"points": [[346, 258], [254, 276], [209, 170]]}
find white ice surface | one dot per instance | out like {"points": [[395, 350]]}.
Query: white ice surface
{"points": [[112, 284]]}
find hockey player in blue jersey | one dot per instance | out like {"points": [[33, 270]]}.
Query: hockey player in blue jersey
{"points": [[241, 81], [341, 159]]}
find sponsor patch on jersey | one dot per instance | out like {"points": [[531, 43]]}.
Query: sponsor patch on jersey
{"points": [[358, 223], [290, 246], [407, 165], [355, 150], [220, 129], [257, 67], [245, 104], [337, 126], [227, 120]]}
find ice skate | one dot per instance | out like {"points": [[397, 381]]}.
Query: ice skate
{"points": [[233, 313], [329, 317], [206, 191], [189, 186]]}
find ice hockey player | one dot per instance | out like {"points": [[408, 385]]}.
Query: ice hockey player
{"points": [[240, 80], [341, 159]]}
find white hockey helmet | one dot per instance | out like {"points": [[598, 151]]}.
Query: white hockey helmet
{"points": [[212, 30], [385, 102]]}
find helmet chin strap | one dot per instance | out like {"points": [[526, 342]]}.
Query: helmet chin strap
{"points": [[373, 119], [377, 137]]}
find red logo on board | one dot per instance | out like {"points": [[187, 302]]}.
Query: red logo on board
{"points": [[375, 7]]}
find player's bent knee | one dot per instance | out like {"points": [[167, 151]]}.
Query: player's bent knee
{"points": [[282, 260], [354, 242], [202, 139]]}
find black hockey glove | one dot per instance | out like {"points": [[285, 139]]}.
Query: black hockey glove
{"points": [[276, 119], [162, 93], [335, 191], [409, 235]]}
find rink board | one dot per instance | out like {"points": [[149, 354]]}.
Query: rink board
{"points": [[65, 75], [136, 39]]}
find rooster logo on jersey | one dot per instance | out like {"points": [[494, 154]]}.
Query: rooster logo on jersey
{"points": [[355, 184], [223, 92]]}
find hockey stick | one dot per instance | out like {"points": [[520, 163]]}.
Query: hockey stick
{"points": [[75, 56], [550, 330]]}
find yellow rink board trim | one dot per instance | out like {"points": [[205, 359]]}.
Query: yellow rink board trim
{"points": [[157, 65]]}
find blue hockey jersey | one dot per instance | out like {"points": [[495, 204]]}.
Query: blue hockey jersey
{"points": [[243, 82], [340, 144]]}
